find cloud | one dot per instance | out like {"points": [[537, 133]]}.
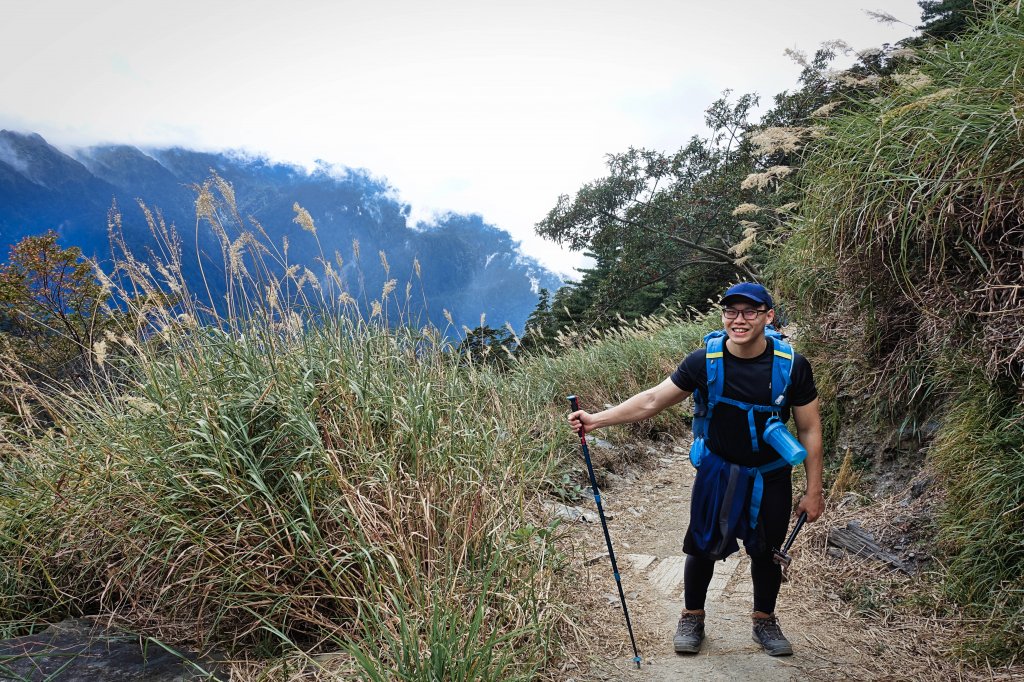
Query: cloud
{"points": [[9, 155]]}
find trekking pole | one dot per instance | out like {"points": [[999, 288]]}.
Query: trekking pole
{"points": [[604, 526]]}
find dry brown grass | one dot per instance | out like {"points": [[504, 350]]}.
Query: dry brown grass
{"points": [[902, 624]]}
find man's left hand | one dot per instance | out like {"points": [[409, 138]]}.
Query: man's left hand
{"points": [[813, 504]]}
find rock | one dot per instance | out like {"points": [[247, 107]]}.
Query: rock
{"points": [[640, 562], [571, 513], [81, 650], [611, 479], [847, 499], [929, 429], [919, 487]]}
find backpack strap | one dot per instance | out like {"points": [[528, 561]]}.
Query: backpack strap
{"points": [[714, 362], [714, 356], [757, 489], [782, 370]]}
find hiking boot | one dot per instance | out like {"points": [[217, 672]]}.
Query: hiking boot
{"points": [[769, 635], [689, 634]]}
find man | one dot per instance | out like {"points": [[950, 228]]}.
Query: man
{"points": [[748, 361]]}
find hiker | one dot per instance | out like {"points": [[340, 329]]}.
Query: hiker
{"points": [[742, 482]]}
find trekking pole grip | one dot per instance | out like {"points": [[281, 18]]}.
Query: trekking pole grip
{"points": [[575, 406]]}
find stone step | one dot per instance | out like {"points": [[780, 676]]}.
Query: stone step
{"points": [[666, 573]]}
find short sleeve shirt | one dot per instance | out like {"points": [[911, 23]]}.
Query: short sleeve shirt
{"points": [[747, 380]]}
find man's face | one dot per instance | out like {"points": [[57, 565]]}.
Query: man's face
{"points": [[744, 321]]}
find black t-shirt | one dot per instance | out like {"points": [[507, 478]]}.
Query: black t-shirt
{"points": [[747, 380]]}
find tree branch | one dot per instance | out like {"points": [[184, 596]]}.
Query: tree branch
{"points": [[723, 256], [601, 313]]}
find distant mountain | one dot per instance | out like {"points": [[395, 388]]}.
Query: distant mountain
{"points": [[468, 267]]}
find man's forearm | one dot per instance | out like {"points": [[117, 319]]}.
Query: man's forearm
{"points": [[813, 465], [641, 406]]}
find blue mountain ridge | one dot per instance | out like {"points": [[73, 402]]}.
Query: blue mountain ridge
{"points": [[467, 266]]}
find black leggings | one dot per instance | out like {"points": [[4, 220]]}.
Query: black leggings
{"points": [[773, 522]]}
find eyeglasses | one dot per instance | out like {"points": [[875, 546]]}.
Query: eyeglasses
{"points": [[748, 313]]}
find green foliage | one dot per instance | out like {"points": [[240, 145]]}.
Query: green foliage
{"points": [[271, 498], [672, 230], [439, 642], [485, 344], [606, 367], [297, 478], [949, 19], [539, 329], [660, 223], [918, 184], [50, 305]]}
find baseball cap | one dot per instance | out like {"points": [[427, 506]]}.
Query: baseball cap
{"points": [[750, 291]]}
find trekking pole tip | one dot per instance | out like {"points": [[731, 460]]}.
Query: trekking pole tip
{"points": [[636, 660]]}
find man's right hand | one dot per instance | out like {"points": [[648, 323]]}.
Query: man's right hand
{"points": [[582, 419]]}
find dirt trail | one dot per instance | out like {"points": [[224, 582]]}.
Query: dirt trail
{"points": [[649, 508]]}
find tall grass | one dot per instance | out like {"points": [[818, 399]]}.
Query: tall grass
{"points": [[980, 452], [907, 257], [281, 475]]}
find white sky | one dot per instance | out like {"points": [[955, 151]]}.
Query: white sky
{"points": [[472, 106]]}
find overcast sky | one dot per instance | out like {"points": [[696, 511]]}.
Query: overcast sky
{"points": [[487, 107]]}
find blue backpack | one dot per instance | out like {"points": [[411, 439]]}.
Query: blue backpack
{"points": [[719, 503]]}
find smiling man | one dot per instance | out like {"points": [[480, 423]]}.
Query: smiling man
{"points": [[743, 484]]}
